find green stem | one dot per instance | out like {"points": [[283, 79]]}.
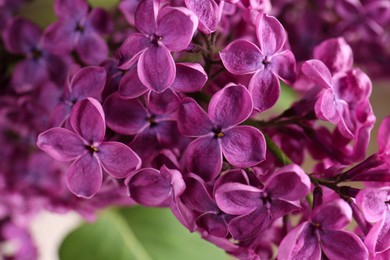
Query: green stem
{"points": [[277, 152]]}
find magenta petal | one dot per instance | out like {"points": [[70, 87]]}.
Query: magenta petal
{"points": [[92, 48], [192, 120], [341, 245], [300, 243], [130, 86], [372, 203], [196, 195], [28, 75], [176, 180], [88, 82], [271, 34], [204, 157], [59, 37], [176, 26], [85, 176], [190, 77], [21, 36], [378, 239], [243, 146], [248, 226], [149, 188], [265, 90], [145, 16], [289, 183], [213, 224], [61, 144], [131, 49], [207, 12], [156, 68], [317, 71], [87, 120], [118, 159], [334, 215], [126, 117], [100, 20], [283, 65], [335, 53], [230, 106], [71, 9], [241, 57], [238, 199], [163, 103], [326, 107], [383, 138]]}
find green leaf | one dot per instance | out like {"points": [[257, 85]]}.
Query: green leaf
{"points": [[137, 233]]}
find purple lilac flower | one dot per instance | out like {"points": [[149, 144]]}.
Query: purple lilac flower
{"points": [[324, 234], [84, 146], [268, 63], [375, 204], [255, 207], [161, 31], [218, 132], [40, 64], [79, 29]]}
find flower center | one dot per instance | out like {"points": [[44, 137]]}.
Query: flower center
{"points": [[152, 120], [92, 149], [218, 133], [79, 28], [155, 39], [266, 61], [36, 54]]}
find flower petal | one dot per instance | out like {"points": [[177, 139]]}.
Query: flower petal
{"points": [[265, 90], [383, 138], [156, 68], [131, 49], [21, 36], [340, 245], [300, 243], [176, 26], [87, 120], [317, 71], [242, 57], [92, 48], [192, 120], [163, 103], [85, 177], [190, 77], [230, 106], [271, 34], [248, 226], [333, 215], [145, 16], [127, 117], [28, 75], [326, 107], [378, 239], [61, 144], [207, 12], [238, 199], [243, 146], [88, 82], [100, 20], [118, 159], [203, 157], [283, 65], [60, 37], [372, 203], [288, 183], [71, 9], [149, 188], [196, 196], [130, 86]]}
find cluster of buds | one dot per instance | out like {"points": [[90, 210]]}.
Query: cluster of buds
{"points": [[160, 106]]}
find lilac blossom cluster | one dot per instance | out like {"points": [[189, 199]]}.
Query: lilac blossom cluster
{"points": [[159, 106]]}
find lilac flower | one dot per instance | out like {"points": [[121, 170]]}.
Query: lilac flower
{"points": [[208, 13], [40, 64], [86, 148], [384, 141], [79, 28], [161, 31], [150, 187], [375, 204], [324, 234], [256, 208], [268, 63], [218, 133]]}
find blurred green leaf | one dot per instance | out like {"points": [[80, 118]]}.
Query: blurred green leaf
{"points": [[137, 233]]}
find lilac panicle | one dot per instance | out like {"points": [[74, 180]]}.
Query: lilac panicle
{"points": [[161, 31], [269, 62], [324, 234], [84, 146], [218, 133]]}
